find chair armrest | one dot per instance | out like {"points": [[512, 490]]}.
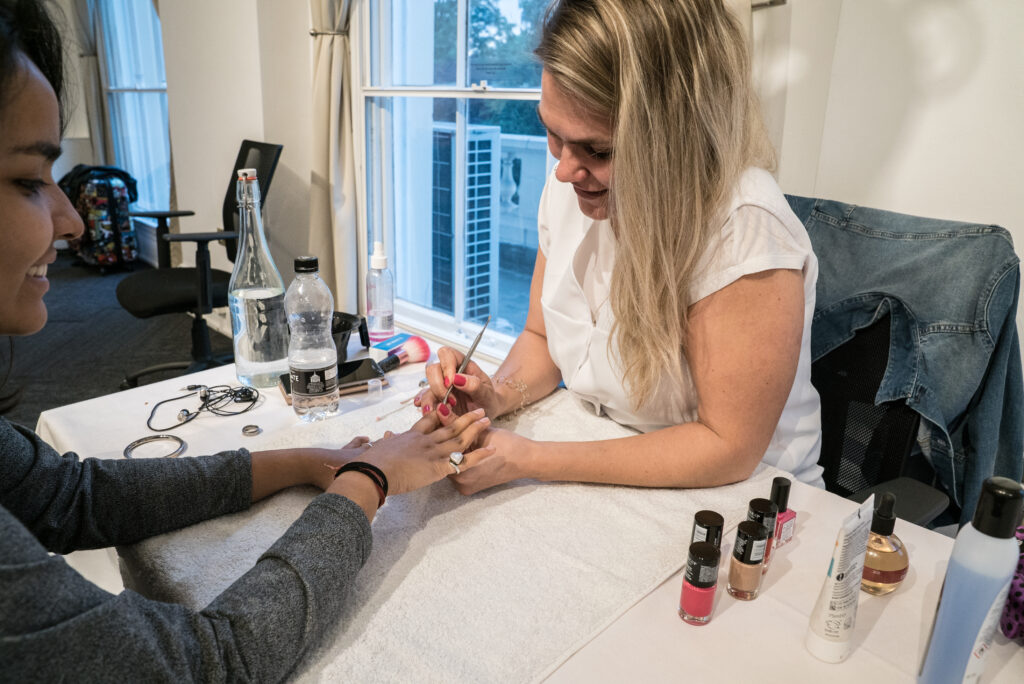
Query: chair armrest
{"points": [[916, 501], [201, 237], [160, 214]]}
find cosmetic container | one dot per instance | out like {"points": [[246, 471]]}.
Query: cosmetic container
{"points": [[785, 522], [764, 512], [697, 599], [747, 558], [707, 526], [977, 581], [886, 560]]}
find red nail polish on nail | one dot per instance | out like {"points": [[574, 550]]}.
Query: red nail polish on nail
{"points": [[447, 381], [459, 380], [451, 400], [426, 409], [443, 410]]}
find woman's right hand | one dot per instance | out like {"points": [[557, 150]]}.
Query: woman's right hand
{"points": [[419, 456], [473, 388]]}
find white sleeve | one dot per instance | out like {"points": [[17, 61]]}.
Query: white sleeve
{"points": [[752, 240]]}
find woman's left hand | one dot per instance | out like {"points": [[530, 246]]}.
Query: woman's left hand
{"points": [[511, 453]]}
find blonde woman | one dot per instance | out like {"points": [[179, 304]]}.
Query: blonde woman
{"points": [[673, 288]]}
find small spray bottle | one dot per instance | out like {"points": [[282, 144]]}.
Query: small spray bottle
{"points": [[380, 296]]}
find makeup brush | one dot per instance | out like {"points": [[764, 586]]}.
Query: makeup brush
{"points": [[413, 350]]}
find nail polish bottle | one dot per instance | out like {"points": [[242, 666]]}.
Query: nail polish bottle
{"points": [[785, 523], [699, 583], [764, 512], [707, 526], [886, 560], [747, 558]]}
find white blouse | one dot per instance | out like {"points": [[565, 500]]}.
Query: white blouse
{"points": [[761, 233]]}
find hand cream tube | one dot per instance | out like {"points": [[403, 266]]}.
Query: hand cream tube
{"points": [[835, 612]]}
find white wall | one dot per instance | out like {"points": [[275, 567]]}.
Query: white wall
{"points": [[238, 70], [908, 105]]}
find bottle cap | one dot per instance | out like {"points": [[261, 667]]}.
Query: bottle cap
{"points": [[244, 174], [884, 520], [780, 493], [379, 260], [764, 512], [707, 527], [746, 549], [307, 264], [999, 507], [702, 565]]}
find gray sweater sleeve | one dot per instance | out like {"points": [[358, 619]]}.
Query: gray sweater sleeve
{"points": [[54, 623]]}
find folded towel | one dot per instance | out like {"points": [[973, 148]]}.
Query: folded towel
{"points": [[500, 586]]}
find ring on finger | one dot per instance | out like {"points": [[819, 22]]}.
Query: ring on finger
{"points": [[455, 459], [454, 465]]}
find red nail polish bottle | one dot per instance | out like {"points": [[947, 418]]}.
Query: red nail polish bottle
{"points": [[785, 524], [700, 581]]}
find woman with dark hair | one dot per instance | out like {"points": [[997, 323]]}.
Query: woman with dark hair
{"points": [[54, 624]]}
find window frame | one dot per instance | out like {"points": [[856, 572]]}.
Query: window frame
{"points": [[408, 316]]}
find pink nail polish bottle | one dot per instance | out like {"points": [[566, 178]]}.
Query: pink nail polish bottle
{"points": [[785, 523], [697, 599]]}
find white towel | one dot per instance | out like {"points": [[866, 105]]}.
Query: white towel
{"points": [[500, 586]]}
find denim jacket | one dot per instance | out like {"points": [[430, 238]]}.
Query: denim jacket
{"points": [[951, 290]]}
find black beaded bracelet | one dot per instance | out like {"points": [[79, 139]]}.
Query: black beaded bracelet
{"points": [[375, 474]]}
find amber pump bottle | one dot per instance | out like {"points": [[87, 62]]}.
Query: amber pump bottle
{"points": [[886, 560]]}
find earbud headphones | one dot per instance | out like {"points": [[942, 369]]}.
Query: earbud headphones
{"points": [[213, 399]]}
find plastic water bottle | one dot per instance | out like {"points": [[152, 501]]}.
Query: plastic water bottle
{"points": [[977, 580], [312, 356], [380, 296], [256, 295]]}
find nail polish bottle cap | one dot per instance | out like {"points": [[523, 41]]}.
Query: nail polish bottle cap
{"points": [[707, 526], [764, 512], [750, 542], [883, 522], [702, 565], [780, 493], [999, 507]]}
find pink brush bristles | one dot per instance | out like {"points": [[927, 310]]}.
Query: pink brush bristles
{"points": [[413, 350]]}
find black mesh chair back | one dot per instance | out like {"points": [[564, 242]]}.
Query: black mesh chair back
{"points": [[251, 155], [862, 444]]}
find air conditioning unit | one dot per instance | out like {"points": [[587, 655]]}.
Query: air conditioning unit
{"points": [[480, 214]]}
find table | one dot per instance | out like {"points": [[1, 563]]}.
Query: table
{"points": [[638, 639]]}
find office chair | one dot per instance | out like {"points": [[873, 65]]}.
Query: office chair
{"points": [[195, 290], [867, 447]]}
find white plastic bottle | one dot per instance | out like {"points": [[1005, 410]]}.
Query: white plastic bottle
{"points": [[977, 580], [256, 295], [380, 296], [312, 356]]}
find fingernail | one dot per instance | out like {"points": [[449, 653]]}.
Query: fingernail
{"points": [[426, 409], [443, 410], [479, 410], [484, 421], [447, 381], [459, 380], [451, 400]]}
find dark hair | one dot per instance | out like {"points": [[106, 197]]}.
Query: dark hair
{"points": [[28, 29]]}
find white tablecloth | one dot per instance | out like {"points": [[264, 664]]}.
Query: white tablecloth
{"points": [[531, 580]]}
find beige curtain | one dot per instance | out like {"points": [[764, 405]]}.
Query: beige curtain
{"points": [[332, 211], [86, 18]]}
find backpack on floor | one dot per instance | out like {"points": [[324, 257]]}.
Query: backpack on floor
{"points": [[101, 195]]}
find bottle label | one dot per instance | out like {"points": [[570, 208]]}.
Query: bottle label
{"points": [[757, 550], [884, 576], [976, 663], [700, 533], [786, 532], [314, 382]]}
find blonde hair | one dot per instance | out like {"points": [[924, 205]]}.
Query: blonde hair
{"points": [[673, 79]]}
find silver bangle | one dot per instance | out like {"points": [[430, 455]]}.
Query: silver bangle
{"points": [[156, 438]]}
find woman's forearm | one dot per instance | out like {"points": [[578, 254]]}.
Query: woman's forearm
{"points": [[527, 373], [688, 455], [279, 469]]}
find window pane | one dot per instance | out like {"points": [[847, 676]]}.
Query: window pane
{"points": [[415, 43], [502, 36], [141, 145], [134, 49], [461, 214]]}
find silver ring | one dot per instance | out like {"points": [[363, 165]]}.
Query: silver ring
{"points": [[455, 459], [456, 466], [251, 430], [128, 450]]}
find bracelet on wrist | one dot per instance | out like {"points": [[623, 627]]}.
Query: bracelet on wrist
{"points": [[371, 471], [519, 386]]}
